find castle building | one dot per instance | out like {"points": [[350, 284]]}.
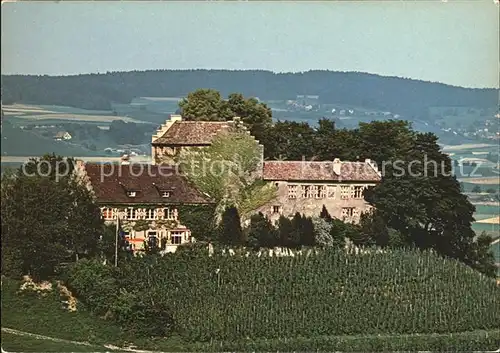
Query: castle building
{"points": [[302, 186], [305, 187], [145, 198], [176, 134]]}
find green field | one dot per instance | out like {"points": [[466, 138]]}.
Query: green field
{"points": [[17, 142]]}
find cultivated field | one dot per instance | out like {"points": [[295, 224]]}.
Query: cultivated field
{"points": [[483, 181], [493, 220], [94, 159], [38, 112], [467, 146]]}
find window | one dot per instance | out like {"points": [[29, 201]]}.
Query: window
{"points": [[312, 192], [309, 191], [107, 213], [331, 191], [165, 194], [292, 191], [347, 212], [176, 237], [131, 213], [141, 213], [152, 233], [131, 193], [167, 213], [344, 192], [355, 213], [151, 213], [322, 191], [358, 192], [304, 190], [276, 209]]}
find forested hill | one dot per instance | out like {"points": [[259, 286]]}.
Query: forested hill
{"points": [[95, 91]]}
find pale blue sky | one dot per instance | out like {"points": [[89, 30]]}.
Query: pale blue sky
{"points": [[454, 42]]}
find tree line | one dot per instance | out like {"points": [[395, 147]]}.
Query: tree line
{"points": [[407, 97]]}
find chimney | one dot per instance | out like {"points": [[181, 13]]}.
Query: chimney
{"points": [[337, 164]]}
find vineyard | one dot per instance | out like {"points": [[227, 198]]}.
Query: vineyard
{"points": [[330, 293]]}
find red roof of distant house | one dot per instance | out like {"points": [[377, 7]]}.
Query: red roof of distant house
{"points": [[319, 171], [194, 133], [111, 182]]}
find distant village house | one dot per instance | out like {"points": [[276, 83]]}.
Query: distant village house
{"points": [[62, 135]]}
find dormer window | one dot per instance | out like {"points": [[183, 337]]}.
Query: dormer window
{"points": [[165, 194], [131, 193]]}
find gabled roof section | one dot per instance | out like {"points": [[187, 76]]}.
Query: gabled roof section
{"points": [[194, 133], [320, 171], [111, 182]]}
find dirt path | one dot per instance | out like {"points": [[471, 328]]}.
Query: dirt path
{"points": [[40, 337], [53, 339]]}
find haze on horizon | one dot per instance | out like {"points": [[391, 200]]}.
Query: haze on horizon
{"points": [[452, 42]]}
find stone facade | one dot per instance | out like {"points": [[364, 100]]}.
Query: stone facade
{"points": [[342, 200], [306, 187]]}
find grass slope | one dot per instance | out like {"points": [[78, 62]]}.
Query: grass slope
{"points": [[18, 142]]}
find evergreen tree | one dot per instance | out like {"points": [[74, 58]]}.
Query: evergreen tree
{"points": [[338, 234], [261, 232], [284, 231], [324, 214], [295, 237], [307, 237], [230, 227], [373, 229]]}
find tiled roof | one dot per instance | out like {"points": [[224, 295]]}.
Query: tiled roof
{"points": [[193, 132], [319, 171], [111, 182]]}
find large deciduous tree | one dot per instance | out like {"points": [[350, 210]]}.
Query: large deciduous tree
{"points": [[208, 104], [47, 218], [205, 104], [421, 199], [227, 171]]}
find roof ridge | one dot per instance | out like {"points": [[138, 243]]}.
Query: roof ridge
{"points": [[204, 121]]}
